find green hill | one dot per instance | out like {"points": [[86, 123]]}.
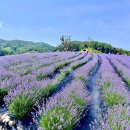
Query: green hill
{"points": [[93, 46], [8, 47]]}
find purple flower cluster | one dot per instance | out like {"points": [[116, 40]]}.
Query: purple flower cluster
{"points": [[26, 88], [123, 59], [15, 83], [122, 69], [108, 75], [116, 118], [117, 115], [65, 99], [85, 69]]}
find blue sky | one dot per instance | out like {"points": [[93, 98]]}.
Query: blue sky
{"points": [[47, 20]]}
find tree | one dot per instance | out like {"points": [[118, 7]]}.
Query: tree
{"points": [[6, 51], [65, 41]]}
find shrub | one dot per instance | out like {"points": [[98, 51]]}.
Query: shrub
{"points": [[113, 98], [56, 118], [21, 106], [47, 90], [116, 118]]}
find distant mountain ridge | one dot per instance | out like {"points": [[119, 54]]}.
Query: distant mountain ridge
{"points": [[8, 47]]}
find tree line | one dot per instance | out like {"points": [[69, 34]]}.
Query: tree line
{"points": [[68, 45]]}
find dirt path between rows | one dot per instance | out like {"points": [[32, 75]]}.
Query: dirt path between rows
{"points": [[93, 111]]}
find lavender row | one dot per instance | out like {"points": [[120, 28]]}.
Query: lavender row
{"points": [[115, 95], [43, 72], [46, 62], [33, 61], [8, 77], [26, 84], [121, 69], [125, 60], [84, 71], [64, 109], [12, 83], [47, 87], [113, 81]]}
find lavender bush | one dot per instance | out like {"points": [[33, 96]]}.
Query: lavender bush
{"points": [[64, 109]]}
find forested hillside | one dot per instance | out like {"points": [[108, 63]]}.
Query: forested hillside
{"points": [[96, 46], [19, 46]]}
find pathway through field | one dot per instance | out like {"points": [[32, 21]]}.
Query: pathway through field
{"points": [[94, 109]]}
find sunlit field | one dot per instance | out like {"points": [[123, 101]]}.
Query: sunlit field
{"points": [[65, 91]]}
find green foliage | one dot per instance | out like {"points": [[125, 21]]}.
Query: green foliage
{"points": [[54, 118], [93, 46], [62, 75], [78, 65], [6, 51], [51, 87], [37, 68], [92, 50], [47, 90], [65, 41], [40, 76], [60, 117], [105, 86], [81, 77], [113, 98], [21, 106], [80, 102], [26, 73], [123, 115], [19, 46], [62, 65], [3, 93], [128, 81]]}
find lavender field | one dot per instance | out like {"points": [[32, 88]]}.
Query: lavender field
{"points": [[65, 91]]}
